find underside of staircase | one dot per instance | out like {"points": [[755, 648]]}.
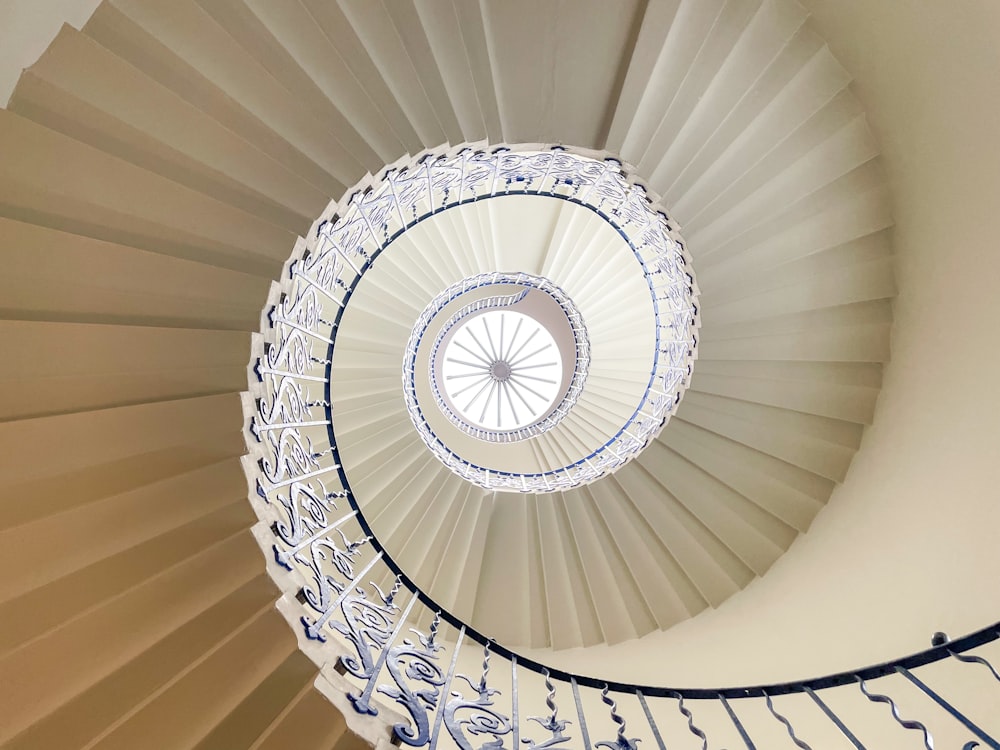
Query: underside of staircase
{"points": [[158, 167]]}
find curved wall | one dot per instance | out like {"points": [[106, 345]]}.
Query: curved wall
{"points": [[908, 544]]}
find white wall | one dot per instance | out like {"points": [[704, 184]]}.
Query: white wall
{"points": [[26, 29], [909, 544]]}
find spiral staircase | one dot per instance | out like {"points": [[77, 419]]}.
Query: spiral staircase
{"points": [[161, 164]]}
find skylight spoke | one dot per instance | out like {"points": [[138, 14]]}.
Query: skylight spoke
{"points": [[526, 342], [540, 380], [489, 338], [483, 378], [467, 364], [460, 345], [486, 404], [500, 341], [533, 367], [510, 402], [534, 353], [516, 391], [499, 401], [526, 387], [513, 338], [478, 394], [476, 339]]}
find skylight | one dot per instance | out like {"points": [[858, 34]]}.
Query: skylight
{"points": [[502, 370]]}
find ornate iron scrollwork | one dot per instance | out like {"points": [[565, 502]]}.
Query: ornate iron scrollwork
{"points": [[552, 722], [322, 552], [483, 719], [417, 662], [368, 625], [621, 742]]}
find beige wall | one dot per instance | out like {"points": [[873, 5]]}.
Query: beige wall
{"points": [[908, 545], [27, 27]]}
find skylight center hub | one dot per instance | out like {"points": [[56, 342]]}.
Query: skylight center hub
{"points": [[500, 371]]}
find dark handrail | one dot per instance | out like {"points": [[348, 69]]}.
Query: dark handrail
{"points": [[919, 659]]}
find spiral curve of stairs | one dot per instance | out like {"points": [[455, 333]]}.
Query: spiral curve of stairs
{"points": [[159, 166]]}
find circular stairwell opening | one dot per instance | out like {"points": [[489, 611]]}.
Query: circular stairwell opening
{"points": [[489, 380], [509, 362]]}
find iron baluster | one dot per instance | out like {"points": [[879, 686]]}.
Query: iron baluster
{"points": [[552, 722], [974, 659], [649, 718], [738, 724], [484, 719], [362, 704], [420, 667], [835, 719], [290, 350], [299, 478], [299, 274], [278, 320], [690, 720], [260, 429], [314, 629], [290, 452], [905, 723], [291, 551], [949, 708], [307, 508], [621, 742], [261, 371], [366, 624], [579, 713], [326, 585], [439, 715], [788, 726], [514, 718]]}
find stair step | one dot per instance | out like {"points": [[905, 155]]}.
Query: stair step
{"points": [[183, 49], [48, 276], [217, 691], [109, 199], [308, 722], [53, 669], [154, 128], [82, 367], [94, 531], [84, 717], [394, 38]]}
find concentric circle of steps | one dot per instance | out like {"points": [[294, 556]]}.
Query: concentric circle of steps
{"points": [[158, 167]]}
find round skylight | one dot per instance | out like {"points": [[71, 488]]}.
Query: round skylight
{"points": [[502, 370], [507, 356]]}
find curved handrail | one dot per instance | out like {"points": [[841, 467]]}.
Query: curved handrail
{"points": [[837, 679]]}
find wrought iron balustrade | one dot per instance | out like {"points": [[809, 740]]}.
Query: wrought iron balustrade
{"points": [[430, 680], [427, 677], [392, 650]]}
